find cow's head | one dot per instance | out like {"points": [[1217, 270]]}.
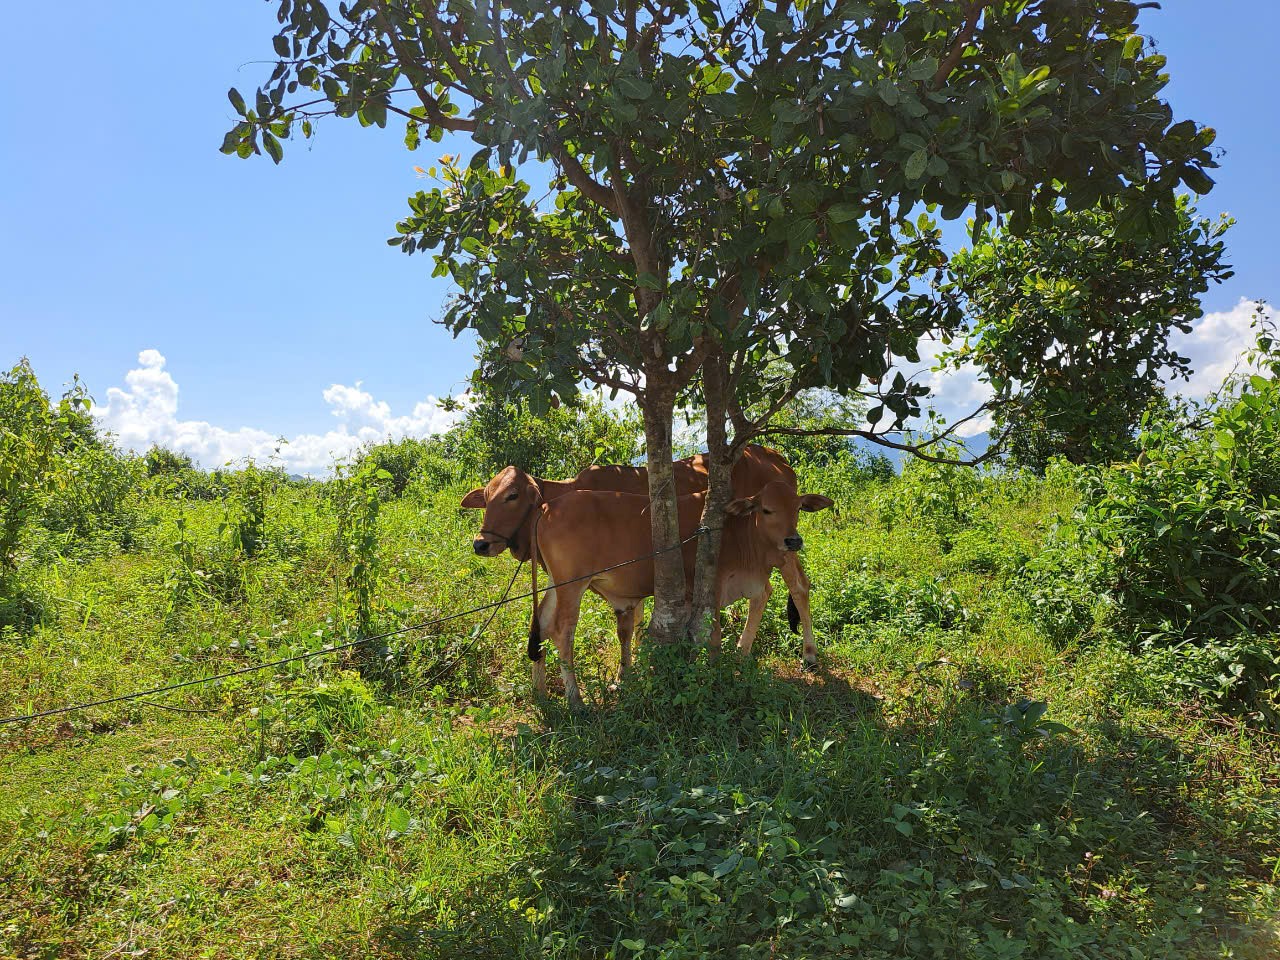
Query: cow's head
{"points": [[776, 512], [509, 501]]}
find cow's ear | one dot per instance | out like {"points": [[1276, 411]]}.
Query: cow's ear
{"points": [[813, 502], [474, 500], [740, 508]]}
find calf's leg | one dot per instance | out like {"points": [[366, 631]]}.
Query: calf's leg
{"points": [[564, 623], [626, 630], [754, 615], [717, 633]]}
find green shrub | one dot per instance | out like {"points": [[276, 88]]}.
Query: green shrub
{"points": [[1186, 538], [310, 714], [494, 433], [355, 494], [98, 501], [245, 522], [934, 497], [161, 461], [400, 459], [29, 443], [844, 477]]}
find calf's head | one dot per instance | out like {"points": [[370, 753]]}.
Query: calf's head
{"points": [[775, 510], [509, 502]]}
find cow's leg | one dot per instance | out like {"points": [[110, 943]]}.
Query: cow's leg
{"points": [[626, 630], [546, 618], [717, 633], [754, 615], [564, 623], [798, 586]]}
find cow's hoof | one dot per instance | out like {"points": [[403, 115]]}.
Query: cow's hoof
{"points": [[809, 666]]}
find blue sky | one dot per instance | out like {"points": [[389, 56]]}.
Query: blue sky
{"points": [[123, 229]]}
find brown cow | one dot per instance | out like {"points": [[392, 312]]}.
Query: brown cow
{"points": [[509, 499], [586, 531]]}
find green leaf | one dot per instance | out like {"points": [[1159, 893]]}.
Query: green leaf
{"points": [[272, 146], [923, 69], [916, 165], [281, 45], [842, 212], [788, 111], [726, 865], [888, 91], [633, 88], [883, 126], [1197, 180], [237, 101]]}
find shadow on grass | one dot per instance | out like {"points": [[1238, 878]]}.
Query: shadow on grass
{"points": [[716, 809]]}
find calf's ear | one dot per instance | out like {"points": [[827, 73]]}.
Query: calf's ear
{"points": [[474, 500], [813, 502], [740, 508]]}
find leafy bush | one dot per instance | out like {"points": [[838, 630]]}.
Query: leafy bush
{"points": [[245, 522], [844, 477], [400, 459], [1186, 538], [97, 502], [864, 598], [309, 715], [355, 493], [161, 461], [29, 443], [564, 441], [935, 497]]}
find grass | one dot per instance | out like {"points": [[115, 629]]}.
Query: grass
{"points": [[953, 781]]}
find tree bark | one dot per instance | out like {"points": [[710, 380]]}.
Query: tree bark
{"points": [[669, 619], [704, 607]]}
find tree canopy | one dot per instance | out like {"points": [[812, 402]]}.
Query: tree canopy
{"points": [[1075, 321], [730, 185]]}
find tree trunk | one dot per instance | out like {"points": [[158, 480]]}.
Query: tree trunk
{"points": [[669, 619], [705, 607]]}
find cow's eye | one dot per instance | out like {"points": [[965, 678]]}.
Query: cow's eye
{"points": [[512, 496], [767, 512]]}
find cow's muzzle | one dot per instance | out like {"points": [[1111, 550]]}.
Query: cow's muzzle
{"points": [[793, 543], [484, 548]]}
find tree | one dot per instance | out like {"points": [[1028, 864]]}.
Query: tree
{"points": [[1074, 320], [728, 187], [558, 443]]}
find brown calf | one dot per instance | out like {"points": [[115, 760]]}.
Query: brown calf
{"points": [[510, 497], [587, 531]]}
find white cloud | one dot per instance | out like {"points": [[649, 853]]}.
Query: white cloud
{"points": [[145, 412], [955, 393], [1215, 345]]}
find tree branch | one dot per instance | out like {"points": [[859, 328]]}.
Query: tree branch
{"points": [[409, 66], [590, 188], [915, 449], [963, 39]]}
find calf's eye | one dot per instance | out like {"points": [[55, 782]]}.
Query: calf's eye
{"points": [[512, 496]]}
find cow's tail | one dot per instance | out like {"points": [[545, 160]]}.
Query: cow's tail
{"points": [[793, 615], [535, 638], [535, 626]]}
